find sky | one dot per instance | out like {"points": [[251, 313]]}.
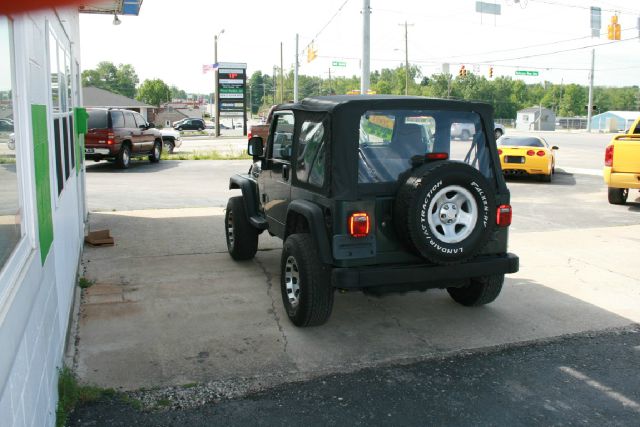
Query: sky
{"points": [[172, 40]]}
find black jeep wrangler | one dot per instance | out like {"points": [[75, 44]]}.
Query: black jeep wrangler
{"points": [[373, 193]]}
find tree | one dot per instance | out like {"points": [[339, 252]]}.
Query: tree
{"points": [[154, 92], [121, 79], [177, 93]]}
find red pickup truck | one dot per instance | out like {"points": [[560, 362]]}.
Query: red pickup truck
{"points": [[262, 130]]}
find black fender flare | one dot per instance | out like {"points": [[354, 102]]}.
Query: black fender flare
{"points": [[315, 218], [250, 198]]}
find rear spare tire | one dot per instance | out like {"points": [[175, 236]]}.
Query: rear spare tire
{"points": [[443, 212]]}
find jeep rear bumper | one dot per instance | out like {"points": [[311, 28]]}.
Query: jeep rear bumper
{"points": [[421, 275]]}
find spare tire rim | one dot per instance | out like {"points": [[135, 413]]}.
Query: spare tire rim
{"points": [[230, 237], [292, 281], [453, 214]]}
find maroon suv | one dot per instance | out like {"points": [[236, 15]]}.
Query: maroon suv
{"points": [[120, 135]]}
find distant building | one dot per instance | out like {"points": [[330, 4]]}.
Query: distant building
{"points": [[101, 98], [167, 115], [614, 121], [535, 118]]}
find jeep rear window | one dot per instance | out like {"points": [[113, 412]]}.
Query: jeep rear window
{"points": [[392, 141], [97, 119]]}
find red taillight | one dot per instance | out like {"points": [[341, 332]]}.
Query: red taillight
{"points": [[503, 216], [499, 152], [531, 153], [608, 156], [359, 224], [437, 156], [110, 139], [541, 153]]}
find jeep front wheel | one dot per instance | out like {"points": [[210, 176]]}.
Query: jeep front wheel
{"points": [[479, 291], [443, 211], [242, 237], [305, 284]]}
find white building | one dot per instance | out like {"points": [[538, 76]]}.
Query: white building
{"points": [[614, 121], [535, 118], [42, 205]]}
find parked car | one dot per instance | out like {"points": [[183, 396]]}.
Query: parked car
{"points": [[622, 165], [6, 125], [392, 211], [171, 139], [465, 131], [120, 135], [189, 124], [527, 155]]}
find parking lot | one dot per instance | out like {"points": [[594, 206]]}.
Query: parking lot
{"points": [[169, 306]]}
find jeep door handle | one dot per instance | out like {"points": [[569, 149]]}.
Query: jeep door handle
{"points": [[285, 172]]}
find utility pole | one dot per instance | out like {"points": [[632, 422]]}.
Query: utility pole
{"points": [[330, 89], [275, 79], [406, 57], [281, 76], [295, 74], [216, 100], [366, 47], [590, 104]]}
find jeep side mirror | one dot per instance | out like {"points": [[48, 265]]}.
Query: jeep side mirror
{"points": [[255, 147]]}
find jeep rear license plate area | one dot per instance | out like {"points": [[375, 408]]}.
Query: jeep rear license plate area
{"points": [[513, 159]]}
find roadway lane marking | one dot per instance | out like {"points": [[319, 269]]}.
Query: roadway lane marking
{"points": [[625, 401]]}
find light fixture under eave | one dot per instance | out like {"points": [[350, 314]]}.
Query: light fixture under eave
{"points": [[116, 20]]}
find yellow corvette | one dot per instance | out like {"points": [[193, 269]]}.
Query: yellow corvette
{"points": [[527, 155]]}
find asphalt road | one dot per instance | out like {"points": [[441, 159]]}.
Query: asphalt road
{"points": [[586, 379]]}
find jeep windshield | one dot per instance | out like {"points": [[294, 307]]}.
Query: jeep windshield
{"points": [[392, 141]]}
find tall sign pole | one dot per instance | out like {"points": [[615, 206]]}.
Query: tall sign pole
{"points": [[295, 74], [590, 105], [366, 47]]}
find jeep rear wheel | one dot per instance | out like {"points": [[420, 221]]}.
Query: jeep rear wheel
{"points": [[242, 237], [305, 284], [479, 291], [443, 212]]}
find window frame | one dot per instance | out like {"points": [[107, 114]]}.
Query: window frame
{"points": [[316, 118], [24, 250], [274, 126]]}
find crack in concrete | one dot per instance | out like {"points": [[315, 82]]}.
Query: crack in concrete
{"points": [[572, 260], [387, 313], [269, 279]]}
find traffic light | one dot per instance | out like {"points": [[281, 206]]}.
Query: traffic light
{"points": [[614, 30], [490, 72], [311, 53], [462, 72]]}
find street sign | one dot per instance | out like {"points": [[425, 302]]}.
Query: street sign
{"points": [[526, 73], [489, 8], [338, 64]]}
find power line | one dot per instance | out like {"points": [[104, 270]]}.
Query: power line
{"points": [[326, 25], [557, 51], [576, 6]]}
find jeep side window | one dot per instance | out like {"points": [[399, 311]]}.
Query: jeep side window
{"points": [[282, 137], [310, 146], [129, 122]]}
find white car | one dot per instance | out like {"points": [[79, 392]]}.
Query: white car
{"points": [[171, 139]]}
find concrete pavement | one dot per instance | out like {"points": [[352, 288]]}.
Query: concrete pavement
{"points": [[170, 307]]}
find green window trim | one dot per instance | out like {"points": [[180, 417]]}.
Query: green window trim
{"points": [[42, 178]]}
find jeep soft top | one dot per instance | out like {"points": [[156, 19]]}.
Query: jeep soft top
{"points": [[374, 193]]}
